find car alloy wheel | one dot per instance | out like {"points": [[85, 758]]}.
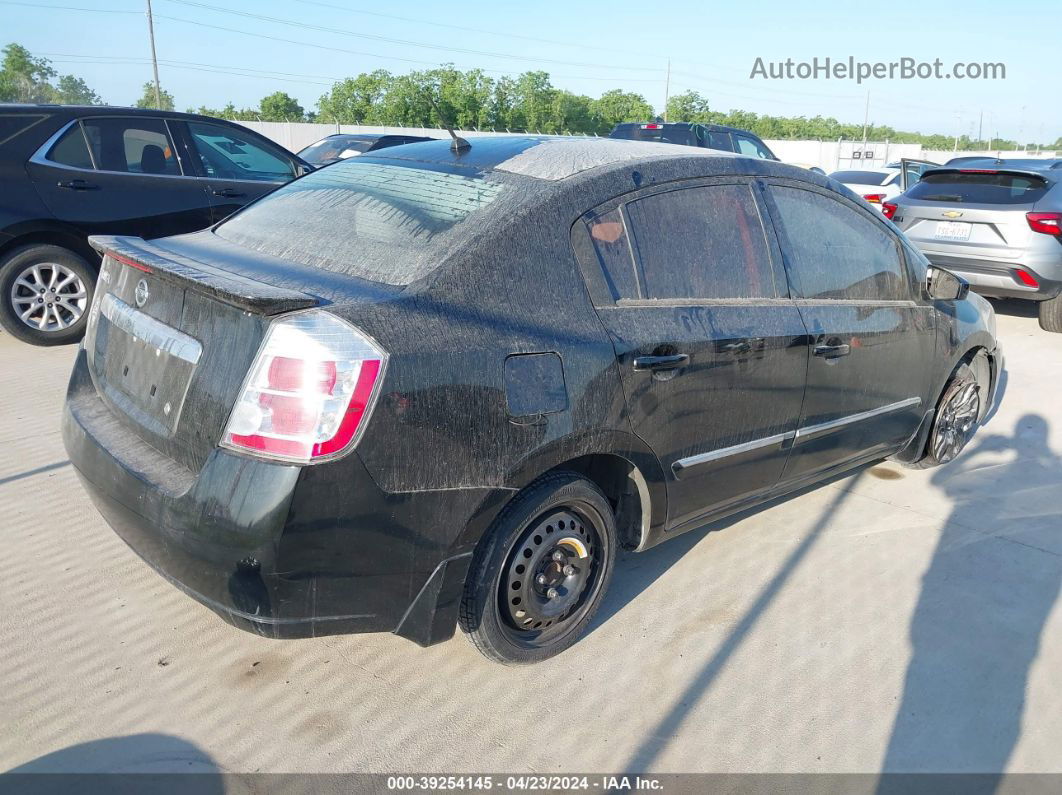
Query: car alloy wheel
{"points": [[956, 422], [49, 297]]}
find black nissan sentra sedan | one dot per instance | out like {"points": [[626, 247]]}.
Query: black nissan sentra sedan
{"points": [[442, 386]]}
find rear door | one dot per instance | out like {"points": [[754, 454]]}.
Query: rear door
{"points": [[237, 166], [119, 175], [911, 171], [871, 334], [711, 349]]}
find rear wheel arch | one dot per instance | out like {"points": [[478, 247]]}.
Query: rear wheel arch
{"points": [[51, 237]]}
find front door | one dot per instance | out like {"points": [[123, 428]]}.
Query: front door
{"points": [[871, 338], [118, 175], [711, 350], [237, 167]]}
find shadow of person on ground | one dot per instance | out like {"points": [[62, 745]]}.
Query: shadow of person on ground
{"points": [[993, 580], [134, 763]]}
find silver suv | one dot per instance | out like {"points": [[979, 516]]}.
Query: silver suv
{"points": [[996, 223]]}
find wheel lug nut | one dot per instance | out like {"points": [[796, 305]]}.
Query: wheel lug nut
{"points": [[552, 593], [558, 556], [568, 570], [541, 579]]}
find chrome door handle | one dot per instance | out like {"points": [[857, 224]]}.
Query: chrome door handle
{"points": [[670, 362], [832, 351]]}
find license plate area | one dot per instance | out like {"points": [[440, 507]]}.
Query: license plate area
{"points": [[142, 365], [953, 230]]}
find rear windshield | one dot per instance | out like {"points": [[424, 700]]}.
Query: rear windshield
{"points": [[665, 133], [859, 177], [370, 218], [967, 188], [332, 149]]}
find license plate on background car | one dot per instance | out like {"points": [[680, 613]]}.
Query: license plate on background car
{"points": [[952, 230]]}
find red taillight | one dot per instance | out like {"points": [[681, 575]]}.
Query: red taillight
{"points": [[309, 391], [888, 209], [874, 198], [1045, 223], [652, 126], [1026, 278]]}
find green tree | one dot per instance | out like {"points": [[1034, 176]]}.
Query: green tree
{"points": [[356, 100], [147, 99], [616, 106], [689, 106], [24, 78], [279, 106], [75, 91]]}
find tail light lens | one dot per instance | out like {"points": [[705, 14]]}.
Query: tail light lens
{"points": [[874, 198], [309, 392], [888, 209], [1045, 223], [1026, 278]]}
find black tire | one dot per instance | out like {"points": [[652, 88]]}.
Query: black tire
{"points": [[950, 433], [1051, 315], [65, 316], [553, 516]]}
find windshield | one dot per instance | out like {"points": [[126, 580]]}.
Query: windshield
{"points": [[331, 149], [378, 220]]}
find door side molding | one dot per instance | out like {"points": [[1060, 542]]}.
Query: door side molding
{"points": [[811, 431]]}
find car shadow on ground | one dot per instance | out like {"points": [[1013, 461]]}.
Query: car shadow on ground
{"points": [[1016, 308], [156, 763], [986, 596]]}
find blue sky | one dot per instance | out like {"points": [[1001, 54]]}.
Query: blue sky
{"points": [[586, 47]]}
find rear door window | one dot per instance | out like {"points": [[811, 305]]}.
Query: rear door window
{"points": [[720, 140], [704, 242], [133, 145], [979, 188], [71, 149], [835, 252], [226, 153]]}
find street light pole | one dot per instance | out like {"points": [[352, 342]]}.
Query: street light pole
{"points": [[667, 88], [154, 60]]}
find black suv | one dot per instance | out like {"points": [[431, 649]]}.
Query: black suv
{"points": [[709, 136], [69, 172], [444, 385], [340, 146]]}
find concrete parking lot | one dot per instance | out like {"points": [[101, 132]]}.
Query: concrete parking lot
{"points": [[892, 620]]}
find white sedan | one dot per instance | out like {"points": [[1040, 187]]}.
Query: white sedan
{"points": [[875, 185]]}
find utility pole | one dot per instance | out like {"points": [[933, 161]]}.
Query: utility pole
{"points": [[667, 88], [980, 124], [154, 60], [958, 127], [866, 119]]}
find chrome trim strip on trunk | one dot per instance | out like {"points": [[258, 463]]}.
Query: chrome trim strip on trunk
{"points": [[832, 425], [152, 331], [724, 452], [797, 435]]}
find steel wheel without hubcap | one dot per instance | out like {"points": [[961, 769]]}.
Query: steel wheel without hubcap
{"points": [[956, 423], [549, 577], [49, 297]]}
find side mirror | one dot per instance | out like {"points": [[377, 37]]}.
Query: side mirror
{"points": [[942, 285]]}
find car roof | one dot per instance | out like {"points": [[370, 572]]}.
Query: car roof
{"points": [[1025, 163], [550, 157], [706, 125], [74, 111]]}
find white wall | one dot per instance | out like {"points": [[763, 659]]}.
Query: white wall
{"points": [[828, 155]]}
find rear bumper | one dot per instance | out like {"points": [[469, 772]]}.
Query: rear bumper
{"points": [[998, 277], [277, 550]]}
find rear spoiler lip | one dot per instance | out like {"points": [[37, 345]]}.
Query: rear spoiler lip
{"points": [[224, 286], [1017, 172]]}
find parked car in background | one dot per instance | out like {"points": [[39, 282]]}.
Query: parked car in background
{"points": [[562, 346], [69, 172], [996, 223], [708, 136], [873, 185], [343, 145]]}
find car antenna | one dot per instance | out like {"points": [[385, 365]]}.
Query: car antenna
{"points": [[458, 144]]}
